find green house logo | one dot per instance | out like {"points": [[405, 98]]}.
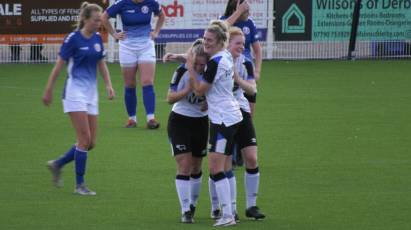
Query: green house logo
{"points": [[293, 12]]}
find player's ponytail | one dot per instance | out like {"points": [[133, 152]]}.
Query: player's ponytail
{"points": [[220, 29], [86, 9]]}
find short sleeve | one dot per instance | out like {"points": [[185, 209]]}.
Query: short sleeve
{"points": [[68, 48], [253, 32], [156, 8], [250, 69], [178, 74], [211, 71], [115, 9], [103, 51]]}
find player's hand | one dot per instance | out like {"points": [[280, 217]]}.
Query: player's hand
{"points": [[257, 75], [110, 93], [153, 35], [243, 7], [169, 57], [119, 35], [47, 97]]}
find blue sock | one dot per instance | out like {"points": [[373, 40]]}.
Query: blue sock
{"points": [[149, 99], [130, 99], [80, 157], [66, 158]]}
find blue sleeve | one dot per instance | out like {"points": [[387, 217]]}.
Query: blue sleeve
{"points": [[223, 17], [103, 51], [156, 8], [68, 48], [253, 32], [115, 9]]}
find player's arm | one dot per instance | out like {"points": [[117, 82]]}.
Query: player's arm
{"points": [[48, 92], [258, 59], [159, 24], [249, 86], [102, 67], [174, 96], [182, 58], [241, 8], [199, 86], [106, 23]]}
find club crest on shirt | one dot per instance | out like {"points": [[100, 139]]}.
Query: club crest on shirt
{"points": [[246, 30], [144, 9], [97, 47]]}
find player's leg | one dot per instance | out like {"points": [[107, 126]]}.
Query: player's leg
{"points": [[81, 124], [128, 63], [130, 95], [147, 67]]}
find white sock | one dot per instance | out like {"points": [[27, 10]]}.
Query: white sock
{"points": [[134, 118], [223, 191], [233, 193], [213, 195], [251, 182], [183, 192], [150, 117], [195, 189]]}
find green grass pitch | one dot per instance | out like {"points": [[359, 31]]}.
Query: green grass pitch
{"points": [[334, 152]]}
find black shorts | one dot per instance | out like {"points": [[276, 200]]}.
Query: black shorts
{"points": [[188, 134], [245, 135], [222, 138]]}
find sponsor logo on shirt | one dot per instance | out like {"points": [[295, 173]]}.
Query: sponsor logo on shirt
{"points": [[84, 48], [131, 11]]}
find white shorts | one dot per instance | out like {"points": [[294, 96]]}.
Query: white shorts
{"points": [[131, 55], [80, 106]]}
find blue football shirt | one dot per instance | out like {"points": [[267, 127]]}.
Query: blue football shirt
{"points": [[82, 55], [136, 17]]}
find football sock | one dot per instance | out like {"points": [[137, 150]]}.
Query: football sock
{"points": [[213, 194], [222, 187], [149, 99], [66, 158], [80, 157], [251, 182], [130, 100], [233, 189], [183, 192], [195, 182]]}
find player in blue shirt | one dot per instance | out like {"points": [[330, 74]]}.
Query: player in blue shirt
{"points": [[83, 52], [237, 14], [137, 52]]}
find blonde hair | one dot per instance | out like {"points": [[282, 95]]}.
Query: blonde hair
{"points": [[86, 9], [235, 31], [197, 48], [220, 29]]}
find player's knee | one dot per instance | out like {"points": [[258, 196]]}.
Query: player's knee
{"points": [[84, 142], [91, 145]]}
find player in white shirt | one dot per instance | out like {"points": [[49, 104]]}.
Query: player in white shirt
{"points": [[188, 132], [223, 111], [83, 52], [245, 137]]}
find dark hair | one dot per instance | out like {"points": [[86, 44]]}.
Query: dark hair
{"points": [[231, 7], [86, 9]]}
